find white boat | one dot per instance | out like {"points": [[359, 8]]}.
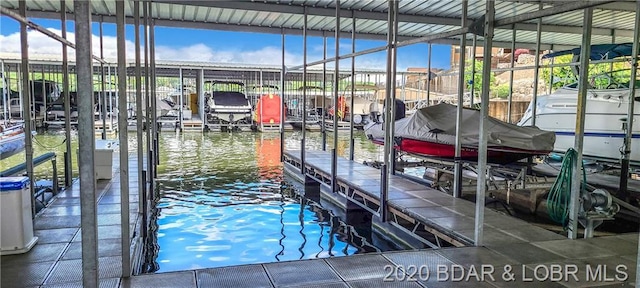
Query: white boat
{"points": [[11, 139], [605, 118], [229, 103]]}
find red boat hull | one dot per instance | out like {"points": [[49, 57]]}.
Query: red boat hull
{"points": [[498, 155]]}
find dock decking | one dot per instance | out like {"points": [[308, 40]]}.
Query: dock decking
{"points": [[56, 259], [436, 212]]}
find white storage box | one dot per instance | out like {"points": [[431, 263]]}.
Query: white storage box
{"points": [[104, 158], [17, 225]]}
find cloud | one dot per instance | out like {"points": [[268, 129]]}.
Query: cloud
{"points": [[40, 44]]}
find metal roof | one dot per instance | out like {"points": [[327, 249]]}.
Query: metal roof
{"points": [[612, 21]]}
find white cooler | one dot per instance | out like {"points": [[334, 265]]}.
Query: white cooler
{"points": [[104, 158], [17, 225]]}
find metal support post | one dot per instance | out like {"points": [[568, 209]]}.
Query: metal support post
{"points": [[303, 147], [624, 171], [103, 111], [86, 144], [154, 116], [388, 109], [583, 83], [139, 117], [26, 106], [484, 123], [180, 102], [429, 75], [283, 73], [124, 141], [353, 86], [68, 166], [147, 98], [323, 127], [536, 72], [513, 59], [336, 81], [473, 70], [457, 168]]}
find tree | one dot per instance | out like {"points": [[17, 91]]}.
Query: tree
{"points": [[601, 75], [477, 81]]}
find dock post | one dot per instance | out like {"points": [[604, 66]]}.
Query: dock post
{"points": [[384, 193], [334, 170], [123, 141], [143, 200], [624, 171], [457, 168], [583, 83], [311, 189], [86, 144], [68, 169], [26, 104], [54, 181], [481, 187]]}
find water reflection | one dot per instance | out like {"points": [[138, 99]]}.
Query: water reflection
{"points": [[223, 201]]}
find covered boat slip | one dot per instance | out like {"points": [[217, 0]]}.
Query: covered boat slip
{"points": [[414, 206]]}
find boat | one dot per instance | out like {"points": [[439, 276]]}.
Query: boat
{"points": [[11, 139], [431, 132], [228, 103], [606, 110], [365, 106]]}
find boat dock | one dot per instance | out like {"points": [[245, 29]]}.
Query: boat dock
{"points": [[56, 259], [524, 248]]}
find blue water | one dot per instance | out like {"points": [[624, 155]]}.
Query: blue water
{"points": [[223, 201]]}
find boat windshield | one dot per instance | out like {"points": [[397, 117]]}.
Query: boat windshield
{"points": [[619, 79]]}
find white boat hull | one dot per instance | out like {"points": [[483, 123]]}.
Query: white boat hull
{"points": [[605, 113]]}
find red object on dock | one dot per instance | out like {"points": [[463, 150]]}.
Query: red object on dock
{"points": [[268, 109]]}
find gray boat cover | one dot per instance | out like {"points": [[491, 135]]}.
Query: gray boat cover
{"points": [[437, 124]]}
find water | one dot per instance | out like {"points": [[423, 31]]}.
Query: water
{"points": [[223, 201]]}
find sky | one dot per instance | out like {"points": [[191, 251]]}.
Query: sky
{"points": [[223, 46]]}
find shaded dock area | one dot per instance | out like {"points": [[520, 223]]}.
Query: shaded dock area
{"points": [[416, 207], [56, 259]]}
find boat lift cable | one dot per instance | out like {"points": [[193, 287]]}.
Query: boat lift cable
{"points": [[560, 194], [49, 147]]}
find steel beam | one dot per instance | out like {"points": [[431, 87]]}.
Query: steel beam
{"points": [[429, 75], [536, 71], [353, 87], [323, 127], [68, 164], [556, 9], [86, 144], [457, 179], [336, 82], [139, 124], [23, 20], [408, 18], [389, 106], [104, 95], [123, 141], [583, 83], [624, 171], [154, 116], [484, 125], [303, 147], [513, 59], [26, 106], [283, 72]]}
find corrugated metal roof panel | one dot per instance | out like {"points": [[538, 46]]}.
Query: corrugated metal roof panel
{"points": [[285, 14]]}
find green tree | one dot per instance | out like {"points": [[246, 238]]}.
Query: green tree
{"points": [[477, 81], [601, 75]]}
